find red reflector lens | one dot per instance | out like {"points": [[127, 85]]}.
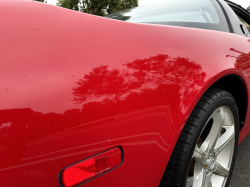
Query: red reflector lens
{"points": [[91, 167]]}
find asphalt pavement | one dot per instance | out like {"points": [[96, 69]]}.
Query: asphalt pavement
{"points": [[241, 173]]}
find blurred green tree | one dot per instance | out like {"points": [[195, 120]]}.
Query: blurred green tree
{"points": [[97, 7], [70, 4], [248, 8]]}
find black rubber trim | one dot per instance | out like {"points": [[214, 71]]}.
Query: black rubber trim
{"points": [[230, 3], [230, 26]]}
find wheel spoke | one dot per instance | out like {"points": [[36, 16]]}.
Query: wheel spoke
{"points": [[207, 184], [218, 180], [224, 139], [211, 140], [222, 171], [198, 179], [197, 153]]}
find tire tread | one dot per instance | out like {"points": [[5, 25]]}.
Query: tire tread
{"points": [[179, 157]]}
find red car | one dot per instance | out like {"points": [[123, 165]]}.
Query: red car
{"points": [[158, 95]]}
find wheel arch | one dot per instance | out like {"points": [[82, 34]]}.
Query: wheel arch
{"points": [[236, 86]]}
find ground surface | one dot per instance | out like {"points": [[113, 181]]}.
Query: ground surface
{"points": [[241, 173]]}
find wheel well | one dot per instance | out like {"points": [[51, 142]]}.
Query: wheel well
{"points": [[235, 86]]}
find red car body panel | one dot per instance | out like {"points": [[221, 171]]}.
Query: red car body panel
{"points": [[154, 76]]}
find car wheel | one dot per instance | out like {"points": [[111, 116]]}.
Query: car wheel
{"points": [[205, 152]]}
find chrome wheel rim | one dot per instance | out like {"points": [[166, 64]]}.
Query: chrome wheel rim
{"points": [[212, 157]]}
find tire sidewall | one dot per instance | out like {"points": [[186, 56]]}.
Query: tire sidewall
{"points": [[223, 100]]}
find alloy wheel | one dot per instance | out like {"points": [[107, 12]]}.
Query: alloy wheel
{"points": [[212, 157]]}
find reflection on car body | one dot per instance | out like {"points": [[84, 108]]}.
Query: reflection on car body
{"points": [[165, 85]]}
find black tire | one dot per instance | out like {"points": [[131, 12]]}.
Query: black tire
{"points": [[179, 164]]}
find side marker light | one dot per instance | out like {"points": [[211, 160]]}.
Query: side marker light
{"points": [[90, 168]]}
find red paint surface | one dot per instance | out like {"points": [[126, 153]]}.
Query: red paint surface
{"points": [[74, 85]]}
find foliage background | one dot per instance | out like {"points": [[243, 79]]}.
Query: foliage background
{"points": [[100, 7], [97, 7]]}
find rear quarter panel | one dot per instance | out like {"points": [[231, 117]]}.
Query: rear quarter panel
{"points": [[73, 85]]}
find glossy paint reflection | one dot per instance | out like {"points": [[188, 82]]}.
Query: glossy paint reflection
{"points": [[243, 64], [242, 61], [121, 84], [139, 85], [13, 135], [140, 82], [136, 95]]}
